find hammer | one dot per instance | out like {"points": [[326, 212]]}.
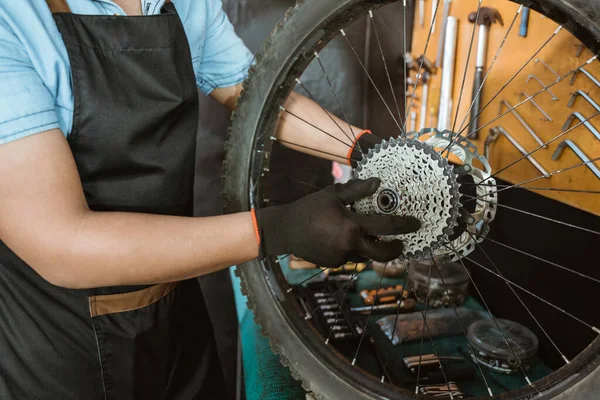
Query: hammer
{"points": [[487, 16]]}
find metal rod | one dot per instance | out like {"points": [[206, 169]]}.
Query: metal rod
{"points": [[536, 105], [448, 74], [567, 143], [522, 150], [442, 39], [504, 103], [584, 121]]}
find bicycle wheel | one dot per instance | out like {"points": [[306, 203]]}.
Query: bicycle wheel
{"points": [[530, 265]]}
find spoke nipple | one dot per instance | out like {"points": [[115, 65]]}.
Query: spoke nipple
{"points": [[591, 60], [289, 290], [353, 362], [520, 9], [528, 381], [326, 341], [316, 55], [273, 138], [596, 329], [307, 317], [382, 379], [282, 108], [371, 13], [558, 29], [565, 358], [342, 32], [416, 390], [490, 392], [298, 81]]}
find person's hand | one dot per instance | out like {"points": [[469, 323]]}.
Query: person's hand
{"points": [[320, 228], [363, 143]]}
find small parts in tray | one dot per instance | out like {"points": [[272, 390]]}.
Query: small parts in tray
{"points": [[330, 311], [442, 391], [384, 295]]}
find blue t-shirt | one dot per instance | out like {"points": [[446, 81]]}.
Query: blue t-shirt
{"points": [[35, 75]]}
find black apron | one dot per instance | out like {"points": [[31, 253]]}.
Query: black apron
{"points": [[134, 140]]}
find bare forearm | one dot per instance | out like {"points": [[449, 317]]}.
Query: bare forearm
{"points": [[333, 145], [111, 249]]}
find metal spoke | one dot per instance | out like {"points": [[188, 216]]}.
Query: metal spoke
{"points": [[494, 320], [316, 127], [534, 179], [462, 87], [371, 79], [538, 216], [487, 74], [514, 76], [364, 331], [545, 145], [420, 70], [387, 356], [337, 99], [480, 247], [347, 287], [312, 149], [463, 328], [536, 188], [534, 295], [387, 72], [309, 278], [325, 111], [426, 326], [539, 258], [560, 79], [291, 178]]}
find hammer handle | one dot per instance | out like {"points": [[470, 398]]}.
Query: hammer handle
{"points": [[474, 117]]}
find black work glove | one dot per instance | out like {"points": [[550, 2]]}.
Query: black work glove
{"points": [[320, 229], [363, 143]]}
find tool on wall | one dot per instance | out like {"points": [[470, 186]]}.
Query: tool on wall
{"points": [[586, 73], [567, 143], [445, 111], [422, 13], [536, 105], [505, 103], [495, 133], [413, 121], [441, 52], [487, 17], [542, 84], [424, 101], [549, 68], [586, 97], [585, 122], [524, 22]]}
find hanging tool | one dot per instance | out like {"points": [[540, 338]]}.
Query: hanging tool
{"points": [[422, 13], [586, 73], [425, 99], [427, 64], [504, 103], [445, 111], [542, 84], [549, 68], [524, 22], [487, 17], [441, 47], [413, 121], [561, 148], [536, 105], [585, 122], [586, 98], [496, 132], [434, 7]]}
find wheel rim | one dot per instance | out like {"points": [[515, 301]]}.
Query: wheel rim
{"points": [[290, 308]]}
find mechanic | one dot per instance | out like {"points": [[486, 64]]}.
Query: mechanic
{"points": [[99, 249]]}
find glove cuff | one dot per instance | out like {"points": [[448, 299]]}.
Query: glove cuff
{"points": [[270, 223], [365, 140]]}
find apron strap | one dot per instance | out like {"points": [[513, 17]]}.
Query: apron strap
{"points": [[58, 6]]}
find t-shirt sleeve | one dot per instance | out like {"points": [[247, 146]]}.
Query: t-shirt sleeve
{"points": [[226, 59], [26, 104]]}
